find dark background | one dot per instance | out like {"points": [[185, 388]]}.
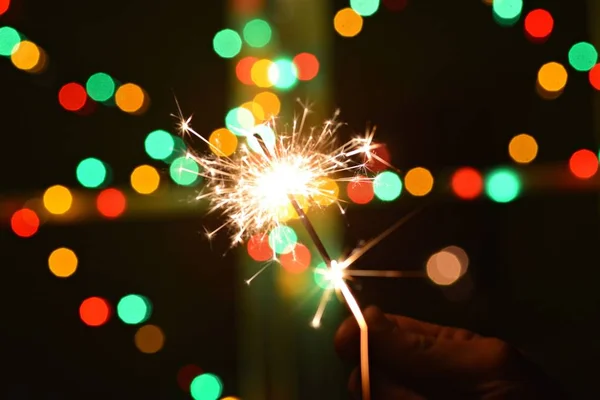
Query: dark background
{"points": [[446, 86]]}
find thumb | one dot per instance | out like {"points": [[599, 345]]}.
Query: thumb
{"points": [[409, 353]]}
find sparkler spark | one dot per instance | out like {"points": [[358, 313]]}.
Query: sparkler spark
{"points": [[277, 176]]}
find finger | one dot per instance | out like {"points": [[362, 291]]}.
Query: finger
{"points": [[407, 354], [382, 388]]}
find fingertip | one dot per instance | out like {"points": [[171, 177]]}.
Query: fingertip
{"points": [[346, 340]]}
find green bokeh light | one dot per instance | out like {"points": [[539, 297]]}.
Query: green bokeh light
{"points": [[267, 135], [206, 387], [583, 56], [387, 186], [240, 121], [134, 309], [184, 171], [257, 33], [508, 10], [283, 74], [91, 173], [282, 239], [320, 274], [159, 144], [180, 149], [502, 185], [227, 43], [9, 39], [100, 87], [365, 8]]}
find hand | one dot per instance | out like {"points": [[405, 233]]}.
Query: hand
{"points": [[414, 360]]}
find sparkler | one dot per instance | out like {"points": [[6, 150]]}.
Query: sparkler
{"points": [[277, 176]]}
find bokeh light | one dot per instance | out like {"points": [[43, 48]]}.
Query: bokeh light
{"points": [[329, 191], [360, 190], [94, 311], [91, 173], [257, 111], [149, 339], [583, 164], [72, 96], [134, 309], [223, 142], [296, 261], [365, 8], [347, 22], [444, 268], [523, 148], [395, 5], [539, 24], [583, 56], [322, 276], [186, 375], [552, 77], [57, 199], [4, 5], [259, 248], [25, 222], [100, 87], [145, 179], [282, 239], [206, 387], [507, 11], [111, 203], [467, 183], [283, 74], [503, 185], [131, 98], [377, 159], [269, 102], [9, 40], [595, 77], [418, 181], [184, 171], [243, 70], [240, 121], [387, 186], [62, 262], [159, 144], [27, 56], [257, 33], [307, 66], [260, 73], [227, 43]]}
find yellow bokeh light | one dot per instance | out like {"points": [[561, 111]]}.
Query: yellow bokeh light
{"points": [[260, 73], [269, 102], [131, 98], [223, 142], [256, 110], [328, 191], [293, 285], [552, 77], [149, 339], [347, 22], [418, 181], [57, 199], [145, 179], [62, 262], [27, 56], [523, 148]]}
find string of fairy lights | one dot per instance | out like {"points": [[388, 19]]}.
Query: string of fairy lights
{"points": [[268, 76]]}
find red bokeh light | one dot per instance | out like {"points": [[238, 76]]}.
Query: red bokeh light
{"points": [[4, 4], [94, 311], [259, 248], [539, 24], [395, 5], [72, 96], [186, 375], [467, 183], [243, 70], [296, 261], [307, 65], [111, 203], [247, 6], [379, 159], [360, 190], [584, 164], [595, 76], [25, 222]]}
